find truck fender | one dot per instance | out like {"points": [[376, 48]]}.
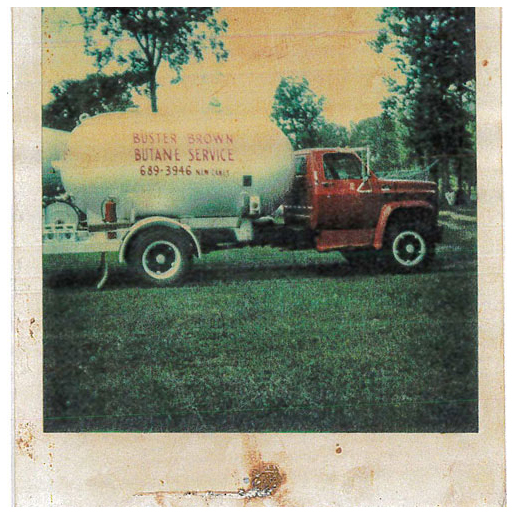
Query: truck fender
{"points": [[157, 221], [386, 212]]}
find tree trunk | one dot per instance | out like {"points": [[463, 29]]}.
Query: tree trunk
{"points": [[460, 198], [445, 179], [153, 90], [468, 192]]}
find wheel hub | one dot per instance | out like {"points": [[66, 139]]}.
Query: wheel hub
{"points": [[409, 248], [161, 259]]}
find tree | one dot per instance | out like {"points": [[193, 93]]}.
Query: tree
{"points": [[155, 34], [332, 134], [297, 111], [384, 139], [436, 56], [95, 94]]}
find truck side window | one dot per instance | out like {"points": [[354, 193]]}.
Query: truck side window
{"points": [[300, 165], [341, 166]]}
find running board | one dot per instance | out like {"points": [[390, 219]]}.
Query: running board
{"points": [[339, 239]]}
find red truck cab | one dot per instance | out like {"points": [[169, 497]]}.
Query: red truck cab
{"points": [[347, 208]]}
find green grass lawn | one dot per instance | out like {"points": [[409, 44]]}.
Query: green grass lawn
{"points": [[264, 340]]}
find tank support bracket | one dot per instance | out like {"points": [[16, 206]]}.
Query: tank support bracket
{"points": [[104, 268]]}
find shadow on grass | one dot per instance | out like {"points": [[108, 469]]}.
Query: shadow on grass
{"points": [[209, 274]]}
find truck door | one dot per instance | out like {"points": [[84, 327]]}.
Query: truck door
{"points": [[344, 199]]}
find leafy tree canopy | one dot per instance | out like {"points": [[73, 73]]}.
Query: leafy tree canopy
{"points": [[433, 42], [384, 137], [170, 34], [297, 111], [435, 100], [96, 94]]}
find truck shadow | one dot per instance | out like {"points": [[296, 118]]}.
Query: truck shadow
{"points": [[230, 273], [200, 276]]}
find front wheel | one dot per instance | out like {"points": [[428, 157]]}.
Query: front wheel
{"points": [[161, 257], [408, 248]]}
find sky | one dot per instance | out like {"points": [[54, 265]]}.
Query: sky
{"points": [[328, 46]]}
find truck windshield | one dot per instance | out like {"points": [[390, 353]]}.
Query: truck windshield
{"points": [[340, 166]]}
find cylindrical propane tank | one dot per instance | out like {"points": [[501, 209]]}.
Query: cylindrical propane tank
{"points": [[206, 165]]}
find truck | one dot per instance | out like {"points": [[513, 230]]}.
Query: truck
{"points": [[161, 192]]}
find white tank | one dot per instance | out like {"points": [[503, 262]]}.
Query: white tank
{"points": [[189, 165], [54, 143]]}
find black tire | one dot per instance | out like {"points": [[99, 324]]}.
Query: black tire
{"points": [[407, 247], [161, 256]]}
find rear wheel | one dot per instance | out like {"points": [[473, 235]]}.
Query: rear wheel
{"points": [[408, 248], [161, 257]]}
